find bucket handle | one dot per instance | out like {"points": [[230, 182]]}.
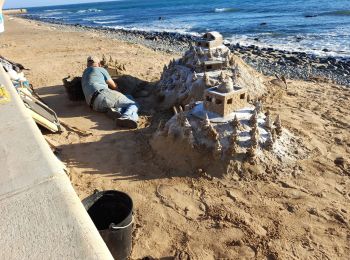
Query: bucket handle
{"points": [[111, 226]]}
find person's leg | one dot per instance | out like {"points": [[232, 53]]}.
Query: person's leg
{"points": [[128, 109], [123, 108]]}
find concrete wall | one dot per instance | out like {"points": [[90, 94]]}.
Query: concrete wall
{"points": [[41, 215]]}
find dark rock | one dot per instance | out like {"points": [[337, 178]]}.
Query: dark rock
{"points": [[339, 161], [310, 15]]}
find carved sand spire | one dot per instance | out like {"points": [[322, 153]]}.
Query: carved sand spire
{"points": [[236, 125], [232, 61], [217, 149], [233, 148], [253, 121], [206, 79], [278, 125], [251, 153], [206, 122], [273, 134], [188, 132], [269, 141], [258, 106], [254, 136], [222, 76], [268, 122], [212, 133]]}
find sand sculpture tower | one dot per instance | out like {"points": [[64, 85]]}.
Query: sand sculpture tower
{"points": [[225, 98]]}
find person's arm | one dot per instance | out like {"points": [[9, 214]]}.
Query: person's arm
{"points": [[111, 84], [109, 81]]}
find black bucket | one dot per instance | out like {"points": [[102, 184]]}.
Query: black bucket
{"points": [[74, 89], [111, 212]]}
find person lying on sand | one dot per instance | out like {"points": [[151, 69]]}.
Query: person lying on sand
{"points": [[101, 95]]}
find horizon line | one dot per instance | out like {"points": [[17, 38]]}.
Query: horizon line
{"points": [[38, 6]]}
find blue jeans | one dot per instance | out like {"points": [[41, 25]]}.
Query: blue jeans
{"points": [[114, 99]]}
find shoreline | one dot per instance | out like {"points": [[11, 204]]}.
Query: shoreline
{"points": [[294, 65]]}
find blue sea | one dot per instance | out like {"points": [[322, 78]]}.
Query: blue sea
{"points": [[321, 27]]}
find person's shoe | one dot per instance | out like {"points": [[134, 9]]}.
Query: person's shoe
{"points": [[126, 122], [113, 113]]}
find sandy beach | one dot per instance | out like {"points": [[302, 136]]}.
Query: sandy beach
{"points": [[299, 211]]}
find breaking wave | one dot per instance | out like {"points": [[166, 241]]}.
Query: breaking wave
{"points": [[106, 22], [225, 10], [92, 10]]}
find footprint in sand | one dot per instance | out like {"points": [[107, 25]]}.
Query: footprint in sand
{"points": [[181, 199]]}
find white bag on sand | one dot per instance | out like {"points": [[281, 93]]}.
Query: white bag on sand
{"points": [[1, 23]]}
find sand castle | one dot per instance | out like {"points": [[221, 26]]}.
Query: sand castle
{"points": [[220, 116], [207, 64]]}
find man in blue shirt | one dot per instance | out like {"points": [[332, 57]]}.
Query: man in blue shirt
{"points": [[101, 95]]}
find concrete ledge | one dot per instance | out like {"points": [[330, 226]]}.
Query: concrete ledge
{"points": [[41, 215]]}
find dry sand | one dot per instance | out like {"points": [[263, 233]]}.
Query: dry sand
{"points": [[300, 212]]}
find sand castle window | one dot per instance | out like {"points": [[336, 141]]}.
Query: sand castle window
{"points": [[218, 102], [209, 99], [207, 44], [242, 96], [229, 101], [209, 67]]}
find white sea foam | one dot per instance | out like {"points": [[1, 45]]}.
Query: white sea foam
{"points": [[54, 10], [223, 10], [336, 42], [101, 18], [106, 22], [91, 10]]}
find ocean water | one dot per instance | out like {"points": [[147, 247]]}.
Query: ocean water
{"points": [[294, 25]]}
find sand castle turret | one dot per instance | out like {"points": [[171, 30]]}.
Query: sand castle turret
{"points": [[258, 106], [233, 148], [217, 151], [253, 120], [278, 125], [269, 141], [236, 124], [210, 40], [268, 123], [251, 153], [254, 136]]}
